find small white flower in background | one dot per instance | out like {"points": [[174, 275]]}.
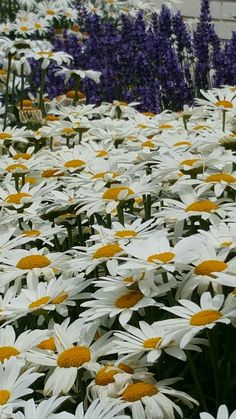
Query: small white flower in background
{"points": [[221, 414], [89, 74]]}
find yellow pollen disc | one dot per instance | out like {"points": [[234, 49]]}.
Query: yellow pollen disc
{"points": [[126, 368], [74, 163], [205, 317], [23, 156], [201, 127], [103, 174], [129, 300], [221, 177], [52, 118], [27, 103], [209, 266], [226, 244], [234, 291], [7, 351], [2, 72], [5, 136], [106, 375], [165, 126], [31, 233], [129, 279], [142, 126], [201, 206], [102, 153], [150, 114], [113, 193], [54, 172], [24, 28], [48, 54], [152, 343], [16, 166], [68, 131], [134, 392], [32, 262], [71, 94], [4, 396], [189, 162], [126, 234], [37, 26], [47, 344], [16, 198], [224, 103], [179, 143], [51, 12], [148, 144], [74, 357], [40, 302], [107, 251], [60, 298], [163, 257], [30, 179]]}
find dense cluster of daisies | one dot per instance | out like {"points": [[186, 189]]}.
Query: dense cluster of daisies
{"points": [[117, 250]]}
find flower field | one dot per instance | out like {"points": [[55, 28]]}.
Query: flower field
{"points": [[118, 234]]}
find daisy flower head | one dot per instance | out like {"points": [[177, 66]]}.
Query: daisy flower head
{"points": [[75, 349], [220, 99], [153, 399], [107, 408], [193, 318], [42, 410], [121, 302], [14, 384]]}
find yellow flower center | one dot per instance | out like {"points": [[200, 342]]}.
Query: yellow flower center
{"points": [[107, 251], [224, 104], [165, 126], [152, 343], [5, 136], [148, 144], [54, 172], [126, 234], [24, 28], [60, 298], [202, 206], [40, 302], [74, 163], [15, 167], [179, 143], [134, 392], [209, 266], [71, 94], [164, 257], [129, 279], [4, 396], [129, 300], [52, 118], [2, 72], [24, 156], [51, 12], [113, 193], [150, 114], [106, 375], [201, 127], [68, 131], [102, 153], [32, 262], [219, 177], [189, 162], [27, 103], [31, 233], [142, 126], [126, 368], [103, 174], [47, 344], [205, 317], [226, 244], [7, 351], [16, 198], [74, 357], [37, 25]]}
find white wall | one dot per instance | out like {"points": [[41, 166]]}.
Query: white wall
{"points": [[223, 15]]}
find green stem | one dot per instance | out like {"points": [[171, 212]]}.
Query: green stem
{"points": [[42, 86], [7, 90], [80, 230], [223, 120], [120, 213], [77, 85], [210, 335], [22, 86], [196, 381]]}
